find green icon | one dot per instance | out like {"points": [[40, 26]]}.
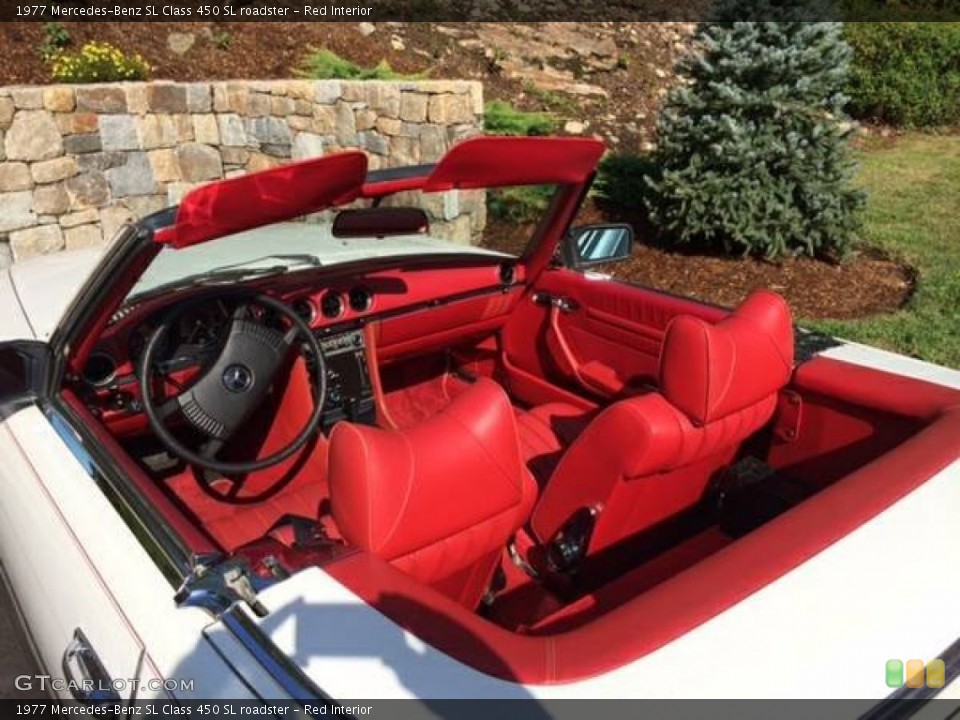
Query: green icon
{"points": [[894, 673]]}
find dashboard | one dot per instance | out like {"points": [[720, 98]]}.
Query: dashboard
{"points": [[407, 306]]}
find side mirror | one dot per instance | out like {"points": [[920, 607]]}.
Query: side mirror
{"points": [[598, 244]]}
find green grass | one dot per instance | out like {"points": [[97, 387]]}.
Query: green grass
{"points": [[501, 118], [913, 213], [323, 64]]}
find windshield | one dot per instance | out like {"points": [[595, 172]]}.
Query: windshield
{"points": [[496, 223]]}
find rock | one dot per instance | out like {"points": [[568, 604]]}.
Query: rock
{"points": [[396, 42], [137, 103], [87, 190], [231, 130], [433, 142], [199, 162], [236, 155], [28, 98], [389, 126], [51, 200], [113, 218], [327, 92], [167, 98], [346, 125], [199, 98], [324, 119], [14, 176], [405, 150], [574, 127], [102, 99], [156, 131], [166, 167], [450, 109], [205, 129], [59, 99], [50, 171], [144, 205], [306, 145], [259, 161], [33, 135], [269, 130], [16, 210], [367, 28], [76, 123], [6, 256], [180, 42], [6, 112], [119, 132], [135, 177], [84, 236], [177, 191], [79, 218], [374, 142], [413, 107], [282, 106], [36, 241], [365, 120], [99, 162], [79, 144]]}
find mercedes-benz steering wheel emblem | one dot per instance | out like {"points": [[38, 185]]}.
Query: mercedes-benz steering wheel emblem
{"points": [[237, 378]]}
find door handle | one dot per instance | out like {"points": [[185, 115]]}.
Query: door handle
{"points": [[86, 676]]}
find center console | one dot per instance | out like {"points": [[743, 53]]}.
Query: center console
{"points": [[349, 388]]}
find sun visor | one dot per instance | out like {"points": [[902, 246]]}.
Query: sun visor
{"points": [[283, 193], [484, 162]]}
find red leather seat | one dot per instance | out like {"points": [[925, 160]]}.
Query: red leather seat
{"points": [[440, 499], [644, 459]]}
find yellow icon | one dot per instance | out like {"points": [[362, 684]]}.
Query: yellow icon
{"points": [[915, 673], [936, 674]]}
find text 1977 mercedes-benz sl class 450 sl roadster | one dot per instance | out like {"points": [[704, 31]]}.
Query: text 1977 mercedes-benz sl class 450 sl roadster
{"points": [[286, 440]]}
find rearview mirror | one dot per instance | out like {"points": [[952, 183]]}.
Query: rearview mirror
{"points": [[380, 222], [598, 244]]}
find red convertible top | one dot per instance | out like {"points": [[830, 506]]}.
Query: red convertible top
{"points": [[229, 206]]}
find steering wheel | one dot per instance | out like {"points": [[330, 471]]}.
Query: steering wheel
{"points": [[234, 385]]}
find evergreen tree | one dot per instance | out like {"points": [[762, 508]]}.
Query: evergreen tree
{"points": [[752, 153]]}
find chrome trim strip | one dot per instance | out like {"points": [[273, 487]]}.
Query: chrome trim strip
{"points": [[280, 667]]}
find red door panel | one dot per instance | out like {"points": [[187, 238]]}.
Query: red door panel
{"points": [[612, 329]]}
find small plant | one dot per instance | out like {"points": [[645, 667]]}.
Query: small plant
{"points": [[501, 118], [552, 100], [521, 204], [55, 38], [222, 39], [622, 179], [97, 62], [323, 64]]}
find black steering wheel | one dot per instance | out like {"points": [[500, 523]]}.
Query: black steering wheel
{"points": [[235, 384]]}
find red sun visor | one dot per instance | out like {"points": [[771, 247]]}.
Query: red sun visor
{"points": [[282, 193], [502, 161]]}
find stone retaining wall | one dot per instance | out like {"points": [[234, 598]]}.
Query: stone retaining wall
{"points": [[76, 162]]}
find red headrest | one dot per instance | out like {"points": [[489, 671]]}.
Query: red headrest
{"points": [[395, 492], [711, 371]]}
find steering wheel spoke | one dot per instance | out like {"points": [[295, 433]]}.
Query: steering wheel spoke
{"points": [[168, 408], [211, 447]]}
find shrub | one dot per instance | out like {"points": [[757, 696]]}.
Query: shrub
{"points": [[501, 118], [622, 179], [905, 73], [520, 204], [97, 62], [323, 64], [55, 38], [752, 154]]}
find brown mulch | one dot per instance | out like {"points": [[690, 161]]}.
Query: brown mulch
{"points": [[867, 284]]}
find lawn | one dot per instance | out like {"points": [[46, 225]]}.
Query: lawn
{"points": [[913, 213]]}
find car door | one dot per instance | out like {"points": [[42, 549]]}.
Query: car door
{"points": [[590, 334]]}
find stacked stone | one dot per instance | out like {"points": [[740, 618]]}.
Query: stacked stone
{"points": [[77, 162]]}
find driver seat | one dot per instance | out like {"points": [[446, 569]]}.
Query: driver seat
{"points": [[440, 499]]}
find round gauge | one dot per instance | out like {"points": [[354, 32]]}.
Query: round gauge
{"points": [[332, 305], [361, 299], [305, 310], [100, 369]]}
